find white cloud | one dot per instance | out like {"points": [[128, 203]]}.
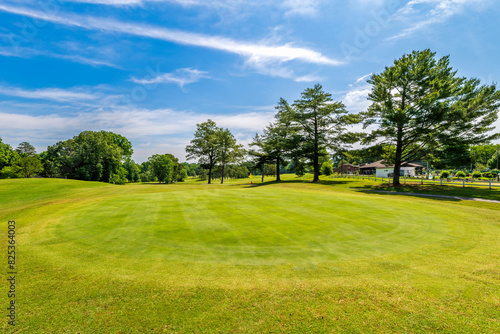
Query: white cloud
{"points": [[180, 77], [23, 52], [424, 13], [256, 52], [54, 94], [301, 7], [308, 78], [227, 3]]}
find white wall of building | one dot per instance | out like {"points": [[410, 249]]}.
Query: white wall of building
{"points": [[384, 172]]}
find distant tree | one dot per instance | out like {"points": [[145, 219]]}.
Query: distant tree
{"points": [[133, 170], [205, 146], [162, 167], [8, 160], [91, 155], [278, 138], [326, 168], [494, 162], [322, 125], [229, 150], [26, 149], [420, 105], [29, 165], [119, 177]]}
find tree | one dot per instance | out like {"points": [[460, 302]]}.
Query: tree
{"points": [[420, 105], [29, 164], [326, 168], [8, 160], [277, 139], [162, 167], [26, 149], [322, 125], [91, 155], [205, 146], [228, 150]]}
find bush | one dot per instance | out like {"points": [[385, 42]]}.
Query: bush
{"points": [[460, 174], [120, 177], [488, 175], [476, 174], [444, 174]]}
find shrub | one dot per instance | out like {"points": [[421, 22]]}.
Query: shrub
{"points": [[444, 174], [488, 175], [476, 174], [460, 174]]}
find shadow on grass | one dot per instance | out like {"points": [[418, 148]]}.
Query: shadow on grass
{"points": [[431, 191], [413, 194], [267, 183]]}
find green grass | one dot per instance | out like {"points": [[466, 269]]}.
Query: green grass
{"points": [[264, 258]]}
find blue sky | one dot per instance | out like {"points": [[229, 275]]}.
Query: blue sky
{"points": [[151, 69]]}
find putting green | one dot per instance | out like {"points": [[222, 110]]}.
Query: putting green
{"points": [[289, 257], [251, 226]]}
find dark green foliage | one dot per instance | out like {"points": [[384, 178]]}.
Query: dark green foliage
{"points": [[26, 149], [460, 174], [213, 145], [8, 160], [205, 146], [476, 174], [321, 125], [120, 177], [420, 106], [444, 174], [229, 150], [29, 165], [162, 167], [326, 168], [91, 155], [133, 170]]}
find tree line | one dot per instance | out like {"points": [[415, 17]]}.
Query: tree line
{"points": [[420, 110]]}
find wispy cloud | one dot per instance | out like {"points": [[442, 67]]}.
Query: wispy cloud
{"points": [[53, 94], [256, 52], [424, 13], [180, 77], [24, 52], [226, 3], [301, 7]]}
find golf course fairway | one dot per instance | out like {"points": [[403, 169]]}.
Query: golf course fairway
{"points": [[291, 257]]}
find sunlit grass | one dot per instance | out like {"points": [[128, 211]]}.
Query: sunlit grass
{"points": [[268, 257]]}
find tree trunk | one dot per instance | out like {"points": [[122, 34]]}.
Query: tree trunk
{"points": [[210, 174], [316, 148], [263, 170], [278, 169], [222, 174], [316, 169], [397, 162]]}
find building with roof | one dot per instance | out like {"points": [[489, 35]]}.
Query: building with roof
{"points": [[384, 169]]}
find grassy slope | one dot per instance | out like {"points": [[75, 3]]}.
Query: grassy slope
{"points": [[291, 257]]}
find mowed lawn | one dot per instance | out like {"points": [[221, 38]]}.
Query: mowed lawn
{"points": [[291, 257]]}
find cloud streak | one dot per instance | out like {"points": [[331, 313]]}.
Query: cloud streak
{"points": [[53, 94], [254, 51], [439, 11], [180, 77]]}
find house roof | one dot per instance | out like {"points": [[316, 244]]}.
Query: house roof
{"points": [[381, 164]]}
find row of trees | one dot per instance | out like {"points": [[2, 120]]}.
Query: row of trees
{"points": [[420, 110], [214, 146], [92, 156]]}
